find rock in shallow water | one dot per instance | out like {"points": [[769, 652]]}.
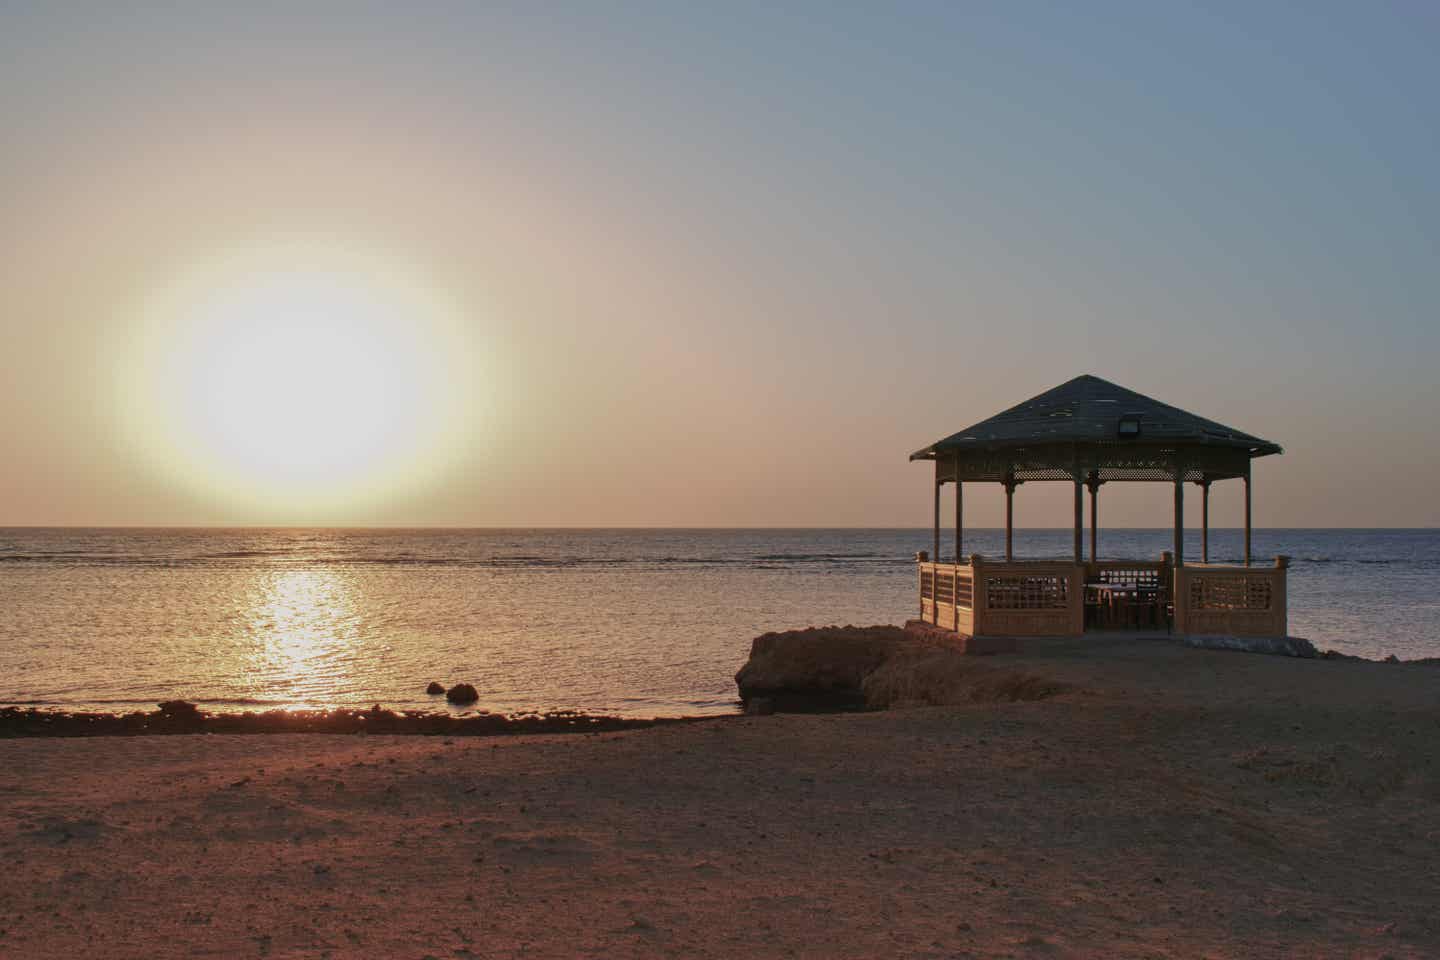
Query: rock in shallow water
{"points": [[435, 689], [462, 693]]}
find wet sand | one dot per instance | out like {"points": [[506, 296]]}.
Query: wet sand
{"points": [[1177, 803]]}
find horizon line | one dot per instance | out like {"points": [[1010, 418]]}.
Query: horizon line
{"points": [[611, 525]]}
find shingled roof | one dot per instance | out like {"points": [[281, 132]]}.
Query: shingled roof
{"points": [[1089, 409]]}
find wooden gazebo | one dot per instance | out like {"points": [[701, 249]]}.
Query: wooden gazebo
{"points": [[1089, 432]]}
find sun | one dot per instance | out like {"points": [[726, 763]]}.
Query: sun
{"points": [[299, 378], [299, 384]]}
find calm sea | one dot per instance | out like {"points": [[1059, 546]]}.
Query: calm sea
{"points": [[637, 622]]}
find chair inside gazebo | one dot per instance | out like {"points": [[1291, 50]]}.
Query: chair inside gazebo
{"points": [[1089, 433]]}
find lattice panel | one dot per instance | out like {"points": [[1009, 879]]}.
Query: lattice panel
{"points": [[927, 585], [1015, 592], [965, 592], [1230, 593], [1143, 474], [944, 589], [1041, 473]]}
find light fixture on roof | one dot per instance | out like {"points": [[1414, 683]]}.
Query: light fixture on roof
{"points": [[1128, 427]]}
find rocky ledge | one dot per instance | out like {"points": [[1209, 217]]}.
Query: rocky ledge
{"points": [[871, 668], [1275, 646]]}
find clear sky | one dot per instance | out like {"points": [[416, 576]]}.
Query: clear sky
{"points": [[703, 263]]}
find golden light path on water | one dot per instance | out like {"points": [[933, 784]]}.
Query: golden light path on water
{"points": [[302, 635]]}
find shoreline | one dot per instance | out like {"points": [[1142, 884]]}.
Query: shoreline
{"points": [[180, 717]]}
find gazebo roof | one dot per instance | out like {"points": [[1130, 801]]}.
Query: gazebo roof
{"points": [[1085, 414]]}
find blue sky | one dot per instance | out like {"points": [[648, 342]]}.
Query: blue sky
{"points": [[736, 261]]}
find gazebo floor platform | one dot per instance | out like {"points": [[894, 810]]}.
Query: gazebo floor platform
{"points": [[1091, 639], [991, 644]]}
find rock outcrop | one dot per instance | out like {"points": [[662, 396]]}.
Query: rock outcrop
{"points": [[820, 668], [858, 668]]}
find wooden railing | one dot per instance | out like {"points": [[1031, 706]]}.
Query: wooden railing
{"points": [[1029, 598], [947, 596], [1047, 598], [1237, 601], [1002, 599]]}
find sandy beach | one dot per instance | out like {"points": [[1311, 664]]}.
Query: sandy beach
{"points": [[1174, 803]]}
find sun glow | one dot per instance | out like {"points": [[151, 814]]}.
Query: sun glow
{"points": [[300, 384]]}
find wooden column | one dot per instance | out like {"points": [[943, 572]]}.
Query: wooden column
{"points": [[1204, 521], [1010, 519], [920, 559], [1247, 514], [936, 517], [1094, 485], [1079, 520], [1179, 515], [959, 513]]}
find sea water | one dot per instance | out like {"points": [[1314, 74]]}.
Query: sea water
{"points": [[634, 622]]}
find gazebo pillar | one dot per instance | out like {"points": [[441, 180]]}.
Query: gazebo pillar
{"points": [[1079, 519], [1179, 515], [959, 513], [936, 551], [1094, 484], [1010, 484], [1247, 513], [1205, 520]]}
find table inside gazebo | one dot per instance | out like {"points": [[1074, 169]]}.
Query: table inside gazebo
{"points": [[1124, 605]]}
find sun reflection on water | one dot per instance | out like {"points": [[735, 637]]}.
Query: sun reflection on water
{"points": [[305, 631]]}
